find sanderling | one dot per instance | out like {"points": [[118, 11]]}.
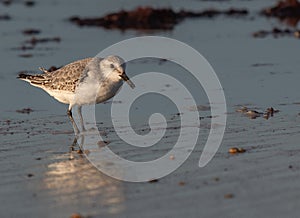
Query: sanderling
{"points": [[86, 81]]}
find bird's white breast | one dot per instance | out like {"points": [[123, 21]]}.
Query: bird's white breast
{"points": [[91, 92]]}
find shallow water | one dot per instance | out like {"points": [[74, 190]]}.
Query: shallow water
{"points": [[37, 177]]}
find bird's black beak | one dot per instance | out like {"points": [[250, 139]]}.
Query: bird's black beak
{"points": [[126, 79]]}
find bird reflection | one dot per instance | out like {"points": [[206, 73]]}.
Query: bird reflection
{"points": [[78, 182]]}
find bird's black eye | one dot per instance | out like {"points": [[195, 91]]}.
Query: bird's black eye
{"points": [[112, 66]]}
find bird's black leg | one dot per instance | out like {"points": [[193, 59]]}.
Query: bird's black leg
{"points": [[72, 148], [81, 118], [69, 112], [81, 151]]}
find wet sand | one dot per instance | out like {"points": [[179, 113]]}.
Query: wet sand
{"points": [[42, 177]]}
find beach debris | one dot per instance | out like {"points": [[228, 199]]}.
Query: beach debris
{"points": [[25, 111], [262, 65], [32, 42], [25, 55], [242, 110], [148, 18], [24, 48], [29, 175], [5, 17], [29, 3], [6, 2], [287, 11], [229, 196], [31, 31], [253, 114], [181, 183], [269, 112], [35, 40], [276, 32], [153, 180], [235, 150], [76, 215], [199, 108], [216, 179]]}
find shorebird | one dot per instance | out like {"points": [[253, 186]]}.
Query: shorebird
{"points": [[86, 81]]}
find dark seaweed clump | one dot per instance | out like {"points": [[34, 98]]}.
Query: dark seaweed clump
{"points": [[276, 32], [25, 111], [30, 31], [5, 17], [147, 18], [284, 9], [287, 10]]}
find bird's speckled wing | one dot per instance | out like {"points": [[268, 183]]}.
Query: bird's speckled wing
{"points": [[67, 77]]}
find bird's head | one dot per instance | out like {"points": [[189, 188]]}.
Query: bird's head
{"points": [[115, 66]]}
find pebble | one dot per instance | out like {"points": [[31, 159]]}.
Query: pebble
{"points": [[229, 196], [181, 183], [76, 215], [236, 150], [153, 180]]}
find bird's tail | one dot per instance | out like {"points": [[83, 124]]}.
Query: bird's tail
{"points": [[38, 79], [24, 76]]}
